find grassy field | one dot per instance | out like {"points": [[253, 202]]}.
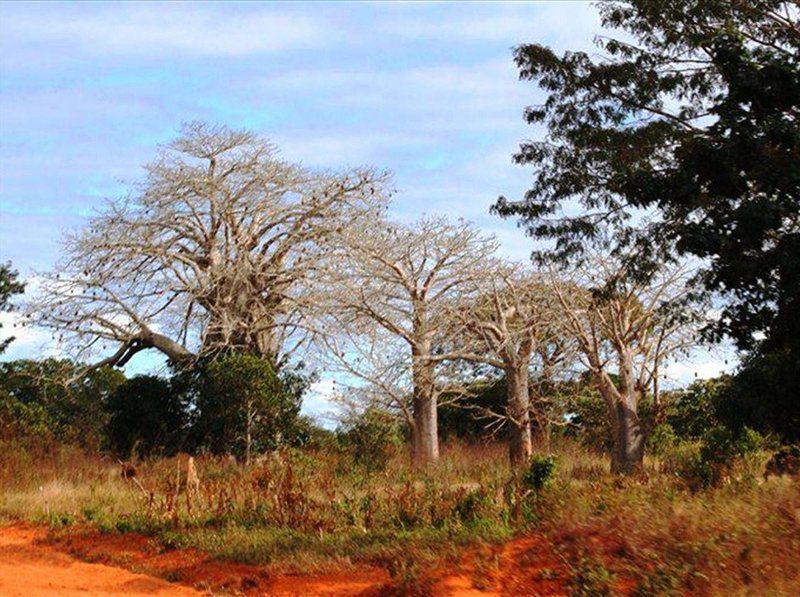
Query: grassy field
{"points": [[317, 511]]}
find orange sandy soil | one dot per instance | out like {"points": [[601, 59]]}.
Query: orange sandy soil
{"points": [[83, 561], [28, 568], [89, 563]]}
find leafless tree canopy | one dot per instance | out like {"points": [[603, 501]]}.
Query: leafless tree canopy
{"points": [[512, 312], [226, 247], [629, 327], [390, 321], [512, 321], [216, 249]]}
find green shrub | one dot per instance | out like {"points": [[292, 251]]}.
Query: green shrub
{"points": [[371, 438], [146, 417], [721, 445], [694, 410], [540, 472], [717, 456], [662, 440], [245, 407], [41, 403]]}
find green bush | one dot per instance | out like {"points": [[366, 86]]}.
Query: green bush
{"points": [[721, 445], [146, 417], [245, 407], [717, 456], [42, 403], [540, 472], [662, 440], [371, 437], [694, 411]]}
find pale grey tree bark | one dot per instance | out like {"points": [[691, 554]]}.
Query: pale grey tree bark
{"points": [[628, 326], [510, 317]]}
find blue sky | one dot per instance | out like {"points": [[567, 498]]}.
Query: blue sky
{"points": [[429, 91]]}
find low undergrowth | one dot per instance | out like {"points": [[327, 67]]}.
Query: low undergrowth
{"points": [[314, 511]]}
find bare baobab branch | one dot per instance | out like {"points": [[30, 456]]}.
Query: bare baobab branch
{"points": [[214, 251]]}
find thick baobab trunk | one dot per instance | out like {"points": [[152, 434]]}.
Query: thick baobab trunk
{"points": [[248, 340], [520, 446], [424, 431], [425, 434], [627, 457]]}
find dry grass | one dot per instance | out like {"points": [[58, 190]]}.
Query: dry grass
{"points": [[316, 511]]}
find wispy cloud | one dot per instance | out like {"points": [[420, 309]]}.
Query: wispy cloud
{"points": [[144, 28], [510, 23]]}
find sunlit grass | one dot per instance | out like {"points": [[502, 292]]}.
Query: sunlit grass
{"points": [[305, 511]]}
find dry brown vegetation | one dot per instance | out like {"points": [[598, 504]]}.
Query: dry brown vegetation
{"points": [[468, 523]]}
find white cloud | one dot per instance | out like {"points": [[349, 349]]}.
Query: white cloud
{"points": [[437, 96], [29, 342], [704, 364], [152, 29], [500, 22], [339, 149]]}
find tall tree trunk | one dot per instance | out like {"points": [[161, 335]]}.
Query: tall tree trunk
{"points": [[627, 457], [520, 446], [424, 431]]}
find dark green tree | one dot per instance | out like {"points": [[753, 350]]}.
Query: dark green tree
{"points": [[245, 406], [690, 117], [9, 286], [695, 115], [147, 416], [693, 411], [764, 396], [46, 401]]}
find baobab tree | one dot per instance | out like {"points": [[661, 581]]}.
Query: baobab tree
{"points": [[627, 325], [391, 318], [511, 320], [214, 251]]}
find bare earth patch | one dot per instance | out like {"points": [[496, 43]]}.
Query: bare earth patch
{"points": [[83, 561], [197, 571], [29, 567]]}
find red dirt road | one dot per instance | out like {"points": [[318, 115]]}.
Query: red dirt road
{"points": [[30, 568], [33, 563]]}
